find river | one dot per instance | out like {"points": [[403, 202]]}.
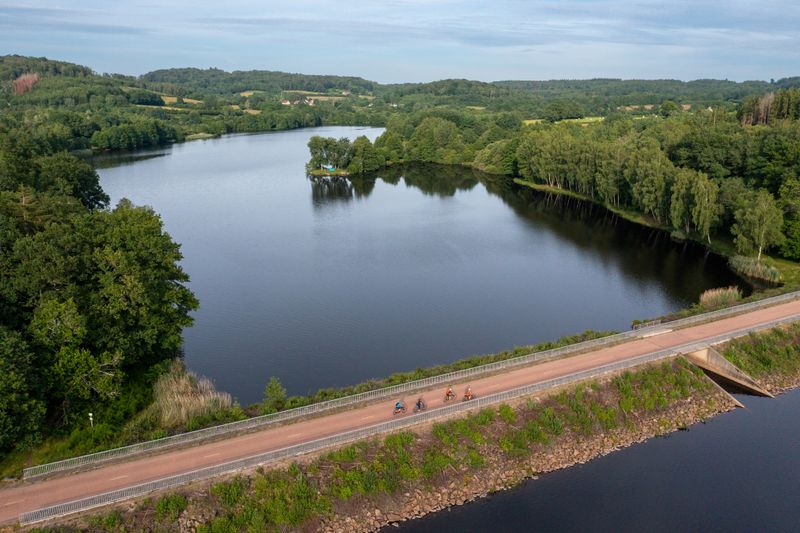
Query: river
{"points": [[738, 472], [326, 284]]}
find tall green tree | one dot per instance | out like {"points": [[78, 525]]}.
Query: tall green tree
{"points": [[789, 199], [681, 201], [705, 207], [365, 157], [66, 174], [758, 224]]}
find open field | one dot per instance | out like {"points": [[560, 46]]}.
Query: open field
{"points": [[174, 100], [584, 120], [167, 107]]}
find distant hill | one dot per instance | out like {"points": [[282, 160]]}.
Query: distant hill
{"points": [[13, 66], [531, 98], [633, 92], [216, 81]]}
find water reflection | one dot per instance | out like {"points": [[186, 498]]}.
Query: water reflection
{"points": [[111, 160], [330, 190], [645, 255]]}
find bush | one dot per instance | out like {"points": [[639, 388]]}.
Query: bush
{"points": [[170, 506], [752, 268], [181, 396], [550, 421], [720, 297]]}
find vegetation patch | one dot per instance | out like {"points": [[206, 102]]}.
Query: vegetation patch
{"points": [[772, 358], [755, 269], [721, 297]]}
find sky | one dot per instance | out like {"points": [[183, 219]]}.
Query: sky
{"points": [[392, 41]]}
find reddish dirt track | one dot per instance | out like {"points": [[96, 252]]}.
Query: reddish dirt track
{"points": [[35, 495]]}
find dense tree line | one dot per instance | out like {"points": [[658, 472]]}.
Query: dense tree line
{"points": [[91, 298], [357, 157], [700, 174], [771, 107], [216, 81]]}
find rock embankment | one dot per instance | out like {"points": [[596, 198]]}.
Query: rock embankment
{"points": [[501, 472]]}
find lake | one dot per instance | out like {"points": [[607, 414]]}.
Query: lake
{"points": [[325, 283]]}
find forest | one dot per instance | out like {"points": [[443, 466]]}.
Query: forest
{"points": [[93, 300]]}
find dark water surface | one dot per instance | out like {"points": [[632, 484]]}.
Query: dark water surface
{"points": [[330, 283], [738, 473]]}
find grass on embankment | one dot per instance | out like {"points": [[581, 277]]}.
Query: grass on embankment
{"points": [[378, 473], [772, 357]]}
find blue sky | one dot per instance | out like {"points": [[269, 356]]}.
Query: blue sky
{"points": [[418, 40]]}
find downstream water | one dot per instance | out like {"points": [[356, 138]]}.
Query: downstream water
{"points": [[326, 284], [739, 472]]}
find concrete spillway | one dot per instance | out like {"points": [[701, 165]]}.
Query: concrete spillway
{"points": [[712, 361]]}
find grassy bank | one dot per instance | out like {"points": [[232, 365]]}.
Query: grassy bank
{"points": [[318, 172], [368, 484], [772, 358]]}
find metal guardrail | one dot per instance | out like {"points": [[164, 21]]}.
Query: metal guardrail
{"points": [[385, 392], [100, 500]]}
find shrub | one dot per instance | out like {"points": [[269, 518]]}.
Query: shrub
{"points": [[752, 268], [230, 492], [507, 413], [720, 297], [550, 421], [274, 396], [170, 506], [181, 396]]}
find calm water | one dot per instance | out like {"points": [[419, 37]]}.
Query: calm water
{"points": [[325, 284], [739, 472]]}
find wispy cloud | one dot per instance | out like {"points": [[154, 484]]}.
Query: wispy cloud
{"points": [[407, 40]]}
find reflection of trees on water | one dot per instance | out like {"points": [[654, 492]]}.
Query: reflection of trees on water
{"points": [[123, 158], [332, 190], [329, 190], [642, 253], [433, 180]]}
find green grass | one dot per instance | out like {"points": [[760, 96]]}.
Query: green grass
{"points": [[774, 353], [171, 506], [323, 173], [199, 136], [583, 120]]}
